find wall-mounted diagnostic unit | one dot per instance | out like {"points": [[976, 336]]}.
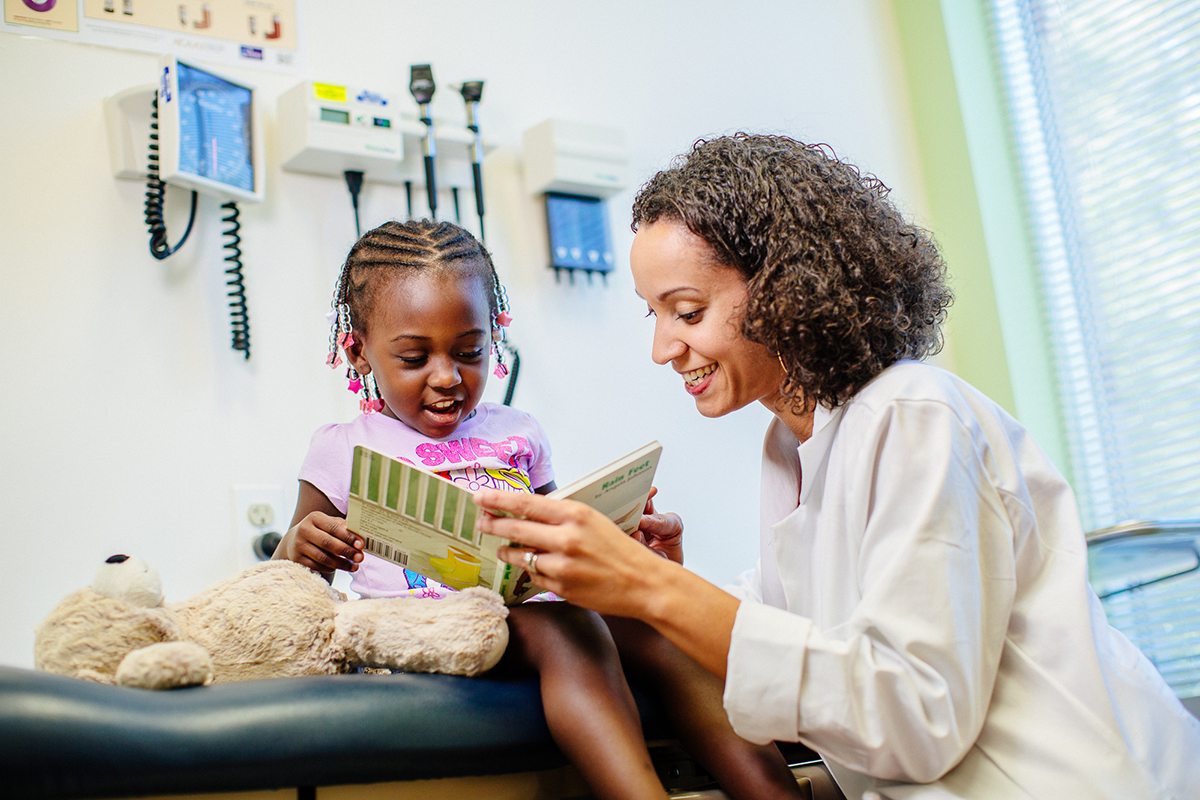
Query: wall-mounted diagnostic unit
{"points": [[578, 230], [209, 139], [327, 129], [201, 130], [361, 133], [575, 166]]}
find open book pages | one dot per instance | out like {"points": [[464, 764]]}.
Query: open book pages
{"points": [[426, 523]]}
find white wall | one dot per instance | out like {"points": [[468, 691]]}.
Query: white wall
{"points": [[125, 418]]}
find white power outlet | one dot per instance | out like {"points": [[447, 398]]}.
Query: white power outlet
{"points": [[257, 510]]}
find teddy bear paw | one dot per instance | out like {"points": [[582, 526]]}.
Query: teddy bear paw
{"points": [[166, 665]]}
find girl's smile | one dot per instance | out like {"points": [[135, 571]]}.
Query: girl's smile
{"points": [[427, 343]]}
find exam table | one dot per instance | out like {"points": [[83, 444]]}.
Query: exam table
{"points": [[438, 736], [325, 737]]}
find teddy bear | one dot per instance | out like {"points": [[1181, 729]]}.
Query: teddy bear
{"points": [[274, 619]]}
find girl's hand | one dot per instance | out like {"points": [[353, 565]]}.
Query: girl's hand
{"points": [[662, 533], [582, 556], [322, 542]]}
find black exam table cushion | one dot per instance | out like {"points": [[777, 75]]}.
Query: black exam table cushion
{"points": [[67, 738]]}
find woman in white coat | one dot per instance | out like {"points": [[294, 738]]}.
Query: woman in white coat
{"points": [[920, 614]]}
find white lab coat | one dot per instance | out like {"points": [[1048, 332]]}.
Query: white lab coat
{"points": [[923, 618]]}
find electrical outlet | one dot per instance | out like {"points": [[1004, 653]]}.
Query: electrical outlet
{"points": [[260, 514], [257, 510]]}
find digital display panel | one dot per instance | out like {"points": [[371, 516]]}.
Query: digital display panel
{"points": [[214, 128], [579, 237], [334, 115]]}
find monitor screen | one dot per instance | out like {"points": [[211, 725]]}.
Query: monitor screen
{"points": [[578, 228], [208, 127], [214, 128]]}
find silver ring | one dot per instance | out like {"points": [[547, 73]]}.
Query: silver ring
{"points": [[531, 562]]}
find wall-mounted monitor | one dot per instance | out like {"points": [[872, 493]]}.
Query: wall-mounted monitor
{"points": [[578, 228], [210, 132]]}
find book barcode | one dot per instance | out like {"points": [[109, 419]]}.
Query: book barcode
{"points": [[385, 550]]}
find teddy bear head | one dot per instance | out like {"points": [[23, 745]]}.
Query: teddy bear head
{"points": [[91, 631], [129, 579]]}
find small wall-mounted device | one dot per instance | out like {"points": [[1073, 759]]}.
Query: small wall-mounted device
{"points": [[422, 87], [578, 229], [575, 167], [472, 93], [327, 129], [575, 158], [207, 129], [201, 130], [334, 129], [210, 139]]}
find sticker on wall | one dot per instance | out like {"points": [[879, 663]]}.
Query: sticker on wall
{"points": [[256, 32], [59, 15]]}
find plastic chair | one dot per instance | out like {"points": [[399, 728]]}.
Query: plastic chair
{"points": [[1147, 575]]}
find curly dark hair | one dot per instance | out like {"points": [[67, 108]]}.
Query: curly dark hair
{"points": [[840, 285]]}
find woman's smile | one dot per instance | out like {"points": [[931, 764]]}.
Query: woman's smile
{"points": [[696, 381], [698, 304]]}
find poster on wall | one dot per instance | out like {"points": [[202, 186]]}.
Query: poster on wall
{"points": [[259, 33], [48, 14]]}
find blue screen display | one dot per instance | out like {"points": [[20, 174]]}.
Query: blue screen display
{"points": [[579, 236], [214, 129]]}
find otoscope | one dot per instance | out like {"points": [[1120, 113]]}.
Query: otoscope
{"points": [[472, 92], [421, 85]]}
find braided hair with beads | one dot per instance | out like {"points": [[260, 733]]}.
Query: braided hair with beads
{"points": [[414, 245]]}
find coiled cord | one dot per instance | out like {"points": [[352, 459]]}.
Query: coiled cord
{"points": [[155, 193], [512, 374], [239, 315]]}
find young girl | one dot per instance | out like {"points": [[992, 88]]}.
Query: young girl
{"points": [[417, 310]]}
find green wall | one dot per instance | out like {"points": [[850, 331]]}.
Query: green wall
{"points": [[997, 334]]}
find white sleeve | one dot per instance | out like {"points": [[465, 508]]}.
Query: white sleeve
{"points": [[748, 585], [901, 689]]}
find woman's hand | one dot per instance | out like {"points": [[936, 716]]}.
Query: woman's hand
{"points": [[586, 559], [582, 556], [662, 533], [323, 543]]}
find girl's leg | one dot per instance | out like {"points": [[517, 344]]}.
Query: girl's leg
{"points": [[589, 709], [692, 698]]}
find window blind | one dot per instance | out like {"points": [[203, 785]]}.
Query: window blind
{"points": [[1104, 99]]}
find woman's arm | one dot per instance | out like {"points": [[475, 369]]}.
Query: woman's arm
{"points": [[589, 561], [319, 538]]}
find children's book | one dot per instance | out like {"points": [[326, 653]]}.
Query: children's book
{"points": [[426, 523]]}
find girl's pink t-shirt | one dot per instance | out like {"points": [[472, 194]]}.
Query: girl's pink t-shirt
{"points": [[498, 448]]}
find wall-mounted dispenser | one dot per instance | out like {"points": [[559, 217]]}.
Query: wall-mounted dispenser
{"points": [[576, 166], [575, 158]]}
